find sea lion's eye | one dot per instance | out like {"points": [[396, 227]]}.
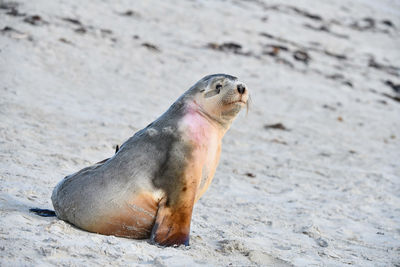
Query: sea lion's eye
{"points": [[218, 88]]}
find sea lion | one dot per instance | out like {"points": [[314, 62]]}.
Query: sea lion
{"points": [[148, 188]]}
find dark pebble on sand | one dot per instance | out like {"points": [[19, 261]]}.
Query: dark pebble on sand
{"points": [[151, 47], [249, 174], [301, 56], [395, 87], [388, 23], [229, 46], [35, 20], [364, 24], [130, 13], [273, 50], [73, 21], [63, 40], [80, 30], [395, 98], [276, 126]]}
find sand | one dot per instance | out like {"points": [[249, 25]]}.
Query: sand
{"points": [[320, 187]]}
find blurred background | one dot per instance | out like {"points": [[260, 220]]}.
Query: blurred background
{"points": [[310, 176]]}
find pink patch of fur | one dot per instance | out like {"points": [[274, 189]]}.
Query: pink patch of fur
{"points": [[198, 129]]}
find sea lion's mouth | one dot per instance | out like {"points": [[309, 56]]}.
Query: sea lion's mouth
{"points": [[237, 102]]}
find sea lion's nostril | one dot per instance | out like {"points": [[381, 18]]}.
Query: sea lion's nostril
{"points": [[241, 88]]}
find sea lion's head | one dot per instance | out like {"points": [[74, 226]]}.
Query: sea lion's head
{"points": [[220, 97]]}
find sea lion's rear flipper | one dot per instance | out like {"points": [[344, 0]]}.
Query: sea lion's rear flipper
{"points": [[43, 212], [172, 225]]}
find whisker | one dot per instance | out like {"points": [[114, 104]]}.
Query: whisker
{"points": [[248, 103]]}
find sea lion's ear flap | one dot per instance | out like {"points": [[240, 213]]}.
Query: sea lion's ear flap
{"points": [[172, 225]]}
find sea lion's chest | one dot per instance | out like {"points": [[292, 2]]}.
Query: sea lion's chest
{"points": [[205, 140]]}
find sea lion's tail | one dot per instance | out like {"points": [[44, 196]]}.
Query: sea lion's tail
{"points": [[43, 212]]}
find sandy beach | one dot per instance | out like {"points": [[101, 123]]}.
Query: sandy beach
{"points": [[309, 177]]}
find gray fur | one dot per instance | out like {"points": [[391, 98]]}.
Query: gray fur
{"points": [[211, 93], [143, 163], [150, 160], [226, 76]]}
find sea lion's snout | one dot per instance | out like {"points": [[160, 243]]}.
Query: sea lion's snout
{"points": [[238, 93]]}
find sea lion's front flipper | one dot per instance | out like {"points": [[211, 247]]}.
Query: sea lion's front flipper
{"points": [[172, 225]]}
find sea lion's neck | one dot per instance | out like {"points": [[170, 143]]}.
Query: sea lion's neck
{"points": [[199, 126], [222, 125]]}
